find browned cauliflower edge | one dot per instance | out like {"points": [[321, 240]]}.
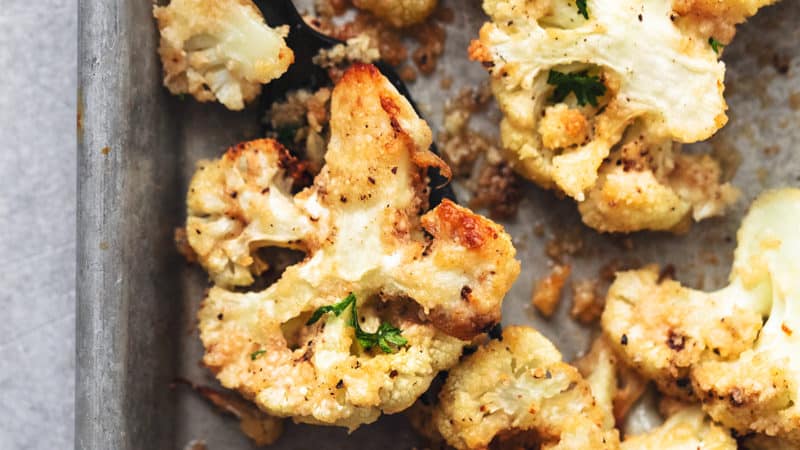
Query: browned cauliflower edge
{"points": [[687, 428], [596, 99], [518, 389], [219, 50], [734, 349], [435, 280]]}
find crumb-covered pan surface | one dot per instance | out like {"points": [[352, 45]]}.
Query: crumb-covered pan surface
{"points": [[138, 299]]}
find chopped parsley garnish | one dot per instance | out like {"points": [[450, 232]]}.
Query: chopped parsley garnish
{"points": [[582, 9], [387, 337], [585, 87], [715, 44], [336, 309], [256, 354]]}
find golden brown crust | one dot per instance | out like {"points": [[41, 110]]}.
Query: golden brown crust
{"points": [[363, 234], [517, 390], [715, 18], [219, 50], [642, 309], [652, 185], [547, 292]]}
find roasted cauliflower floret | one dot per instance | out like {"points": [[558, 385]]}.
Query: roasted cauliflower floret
{"points": [[654, 186], [398, 13], [687, 429], [715, 18], [219, 50], [644, 70], [734, 349], [519, 388], [243, 202], [615, 386], [576, 83], [374, 269]]}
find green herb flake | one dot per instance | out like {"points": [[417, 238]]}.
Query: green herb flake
{"points": [[715, 44], [256, 354], [582, 8], [336, 309], [387, 337], [585, 87]]}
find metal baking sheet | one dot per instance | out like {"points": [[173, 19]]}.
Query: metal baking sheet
{"points": [[137, 148]]}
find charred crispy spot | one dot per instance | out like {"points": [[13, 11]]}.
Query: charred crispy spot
{"points": [[388, 104], [461, 323], [676, 341], [452, 222]]}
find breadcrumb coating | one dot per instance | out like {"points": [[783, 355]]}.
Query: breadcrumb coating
{"points": [[438, 277], [578, 88], [219, 50], [689, 428], [519, 389], [734, 349]]}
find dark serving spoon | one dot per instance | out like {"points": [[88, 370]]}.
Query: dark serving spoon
{"points": [[306, 42]]}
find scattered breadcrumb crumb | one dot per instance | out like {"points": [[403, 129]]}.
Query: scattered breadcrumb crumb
{"points": [[337, 58], [300, 123], [493, 183], [547, 292], [587, 304], [794, 100], [390, 42], [262, 428], [407, 73], [499, 189], [564, 243]]}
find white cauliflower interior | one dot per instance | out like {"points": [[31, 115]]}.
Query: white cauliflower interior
{"points": [[438, 278], [687, 429], [656, 80], [519, 389], [219, 50], [734, 349], [399, 13]]}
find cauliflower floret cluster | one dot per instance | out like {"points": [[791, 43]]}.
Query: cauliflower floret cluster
{"points": [[688, 428], [398, 13], [219, 50], [734, 349], [518, 389], [654, 186], [576, 80], [243, 202], [386, 296]]}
